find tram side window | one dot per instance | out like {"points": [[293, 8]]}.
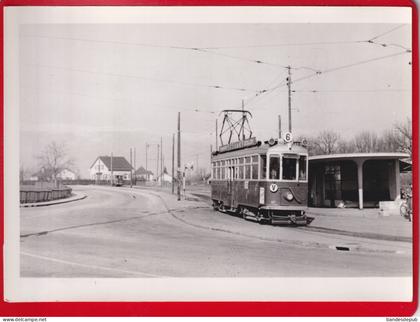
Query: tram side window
{"points": [[241, 172], [254, 167], [248, 171], [263, 167], [247, 167], [302, 168], [255, 171], [274, 167], [289, 168], [222, 168]]}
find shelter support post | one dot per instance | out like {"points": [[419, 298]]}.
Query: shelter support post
{"points": [[360, 181]]}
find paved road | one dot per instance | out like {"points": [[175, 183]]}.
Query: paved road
{"points": [[119, 232]]}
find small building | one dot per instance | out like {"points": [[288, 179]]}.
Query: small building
{"points": [[103, 166], [355, 179], [67, 174], [166, 178], [143, 174]]}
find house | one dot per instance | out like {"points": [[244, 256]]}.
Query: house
{"points": [[66, 174], [42, 175], [103, 166], [48, 175], [165, 177], [143, 174]]}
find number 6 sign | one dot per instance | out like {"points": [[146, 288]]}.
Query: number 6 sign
{"points": [[288, 137]]}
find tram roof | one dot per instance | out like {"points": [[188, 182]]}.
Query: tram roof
{"points": [[263, 148]]}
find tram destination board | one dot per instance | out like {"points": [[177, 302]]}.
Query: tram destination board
{"points": [[238, 145]]}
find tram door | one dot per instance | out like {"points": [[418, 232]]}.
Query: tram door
{"points": [[230, 177]]}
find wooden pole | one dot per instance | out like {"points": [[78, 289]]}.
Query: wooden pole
{"points": [[179, 157], [173, 163]]}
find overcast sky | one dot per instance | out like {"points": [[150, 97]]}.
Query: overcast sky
{"points": [[108, 87]]}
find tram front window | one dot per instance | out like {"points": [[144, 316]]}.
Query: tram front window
{"points": [[289, 168], [263, 164], [274, 167], [302, 168]]}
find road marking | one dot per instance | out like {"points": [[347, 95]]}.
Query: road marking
{"points": [[90, 266]]}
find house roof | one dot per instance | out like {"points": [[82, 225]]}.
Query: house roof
{"points": [[118, 163], [142, 170]]}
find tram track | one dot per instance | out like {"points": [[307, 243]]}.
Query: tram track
{"points": [[291, 243], [45, 232], [332, 231]]}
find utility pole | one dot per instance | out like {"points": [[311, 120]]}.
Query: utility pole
{"points": [[157, 164], [196, 161], [112, 171], [131, 168], [243, 121], [135, 167], [217, 133], [147, 148], [173, 163], [289, 85], [179, 157], [161, 162], [279, 126], [211, 153]]}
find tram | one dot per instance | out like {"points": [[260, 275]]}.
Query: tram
{"points": [[262, 181]]}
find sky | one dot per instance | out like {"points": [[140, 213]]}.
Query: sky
{"points": [[103, 88]]}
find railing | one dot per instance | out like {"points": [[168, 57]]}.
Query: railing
{"points": [[30, 194]]}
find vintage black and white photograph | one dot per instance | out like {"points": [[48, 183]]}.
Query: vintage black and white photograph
{"points": [[234, 147]]}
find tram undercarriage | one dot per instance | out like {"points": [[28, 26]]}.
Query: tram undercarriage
{"points": [[267, 216]]}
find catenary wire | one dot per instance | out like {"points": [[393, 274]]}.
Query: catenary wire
{"points": [[214, 86]]}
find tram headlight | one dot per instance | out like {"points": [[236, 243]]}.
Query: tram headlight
{"points": [[289, 196]]}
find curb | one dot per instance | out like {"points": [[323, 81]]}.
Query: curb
{"points": [[345, 247], [50, 203], [331, 231]]}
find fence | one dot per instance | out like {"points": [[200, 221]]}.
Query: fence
{"points": [[32, 193]]}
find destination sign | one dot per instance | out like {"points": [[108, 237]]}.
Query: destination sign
{"points": [[238, 145]]}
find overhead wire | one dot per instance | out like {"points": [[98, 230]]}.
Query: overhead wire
{"points": [[117, 99], [182, 83], [194, 49], [286, 44], [210, 50], [326, 71], [387, 32], [349, 90]]}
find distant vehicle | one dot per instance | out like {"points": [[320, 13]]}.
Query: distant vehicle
{"points": [[265, 182], [118, 181]]}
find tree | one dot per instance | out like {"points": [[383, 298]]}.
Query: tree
{"points": [[344, 147], [23, 173], [404, 136], [366, 142], [325, 143], [388, 142], [54, 159]]}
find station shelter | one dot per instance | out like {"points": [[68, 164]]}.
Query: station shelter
{"points": [[355, 179]]}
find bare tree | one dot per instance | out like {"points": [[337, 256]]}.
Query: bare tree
{"points": [[344, 147], [404, 136], [23, 172], [388, 142], [366, 142], [326, 142], [54, 159]]}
